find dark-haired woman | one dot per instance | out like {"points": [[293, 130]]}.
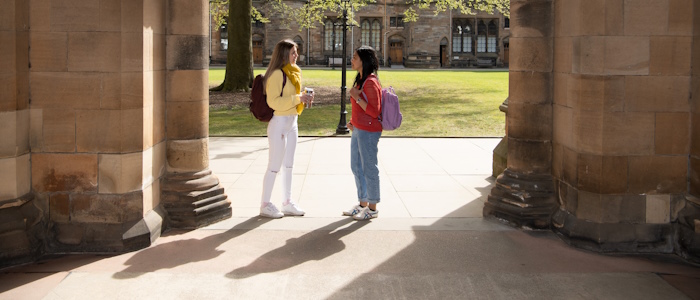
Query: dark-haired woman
{"points": [[366, 129], [285, 98]]}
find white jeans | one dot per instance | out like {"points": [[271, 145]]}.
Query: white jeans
{"points": [[282, 136]]}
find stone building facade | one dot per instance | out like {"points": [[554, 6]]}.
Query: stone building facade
{"points": [[104, 125], [450, 39]]}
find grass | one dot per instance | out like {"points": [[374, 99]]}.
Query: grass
{"points": [[434, 103]]}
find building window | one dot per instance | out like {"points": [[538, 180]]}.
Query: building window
{"points": [[506, 23], [371, 34], [365, 32], [328, 38], [492, 37], [396, 22], [258, 24], [461, 36], [376, 35], [223, 31]]}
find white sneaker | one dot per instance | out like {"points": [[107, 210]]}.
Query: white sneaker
{"points": [[292, 209], [353, 211], [270, 210], [366, 214]]}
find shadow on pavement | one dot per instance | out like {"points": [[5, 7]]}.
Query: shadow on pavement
{"points": [[313, 246], [182, 252]]}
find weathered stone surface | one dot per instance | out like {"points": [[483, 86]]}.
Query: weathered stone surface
{"points": [[185, 156], [529, 87], [658, 209], [672, 134], [69, 234], [98, 131], [187, 85], [64, 172], [626, 55], [187, 52], [646, 17], [657, 174], [522, 124], [187, 120], [49, 51], [75, 15], [188, 17], [588, 55], [670, 56], [14, 177], [532, 18], [94, 52], [65, 90], [657, 93], [536, 54], [529, 157], [58, 131], [59, 206], [106, 209], [628, 133], [120, 173]]}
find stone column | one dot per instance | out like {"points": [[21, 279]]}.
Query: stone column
{"points": [[20, 217], [191, 194], [622, 123], [524, 193]]}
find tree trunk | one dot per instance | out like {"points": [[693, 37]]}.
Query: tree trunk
{"points": [[239, 56]]}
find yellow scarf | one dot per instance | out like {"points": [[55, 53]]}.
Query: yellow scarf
{"points": [[293, 73]]}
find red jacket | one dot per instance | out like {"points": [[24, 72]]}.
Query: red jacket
{"points": [[368, 119]]}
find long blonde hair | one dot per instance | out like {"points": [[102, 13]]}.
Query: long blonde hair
{"points": [[280, 57]]}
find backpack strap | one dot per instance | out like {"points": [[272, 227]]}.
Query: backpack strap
{"points": [[284, 81]]}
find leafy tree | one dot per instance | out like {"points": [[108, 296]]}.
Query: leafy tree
{"points": [[239, 14]]}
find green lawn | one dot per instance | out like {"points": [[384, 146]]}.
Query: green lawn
{"points": [[434, 103]]}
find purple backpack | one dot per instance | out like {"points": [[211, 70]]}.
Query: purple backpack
{"points": [[390, 116], [391, 111]]}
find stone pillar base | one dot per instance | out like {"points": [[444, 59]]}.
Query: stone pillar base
{"points": [[194, 200], [614, 237], [522, 200], [21, 231]]}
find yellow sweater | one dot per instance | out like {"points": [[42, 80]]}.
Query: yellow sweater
{"points": [[286, 105]]}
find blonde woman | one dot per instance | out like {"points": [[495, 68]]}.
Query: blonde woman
{"points": [[285, 98]]}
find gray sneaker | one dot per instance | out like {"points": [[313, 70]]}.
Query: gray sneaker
{"points": [[353, 211], [366, 214]]}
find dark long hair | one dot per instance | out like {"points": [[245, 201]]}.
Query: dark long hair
{"points": [[370, 64], [280, 57]]}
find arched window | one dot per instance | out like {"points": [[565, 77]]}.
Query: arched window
{"points": [[492, 37], [481, 37], [328, 38], [371, 33], [365, 32], [376, 35], [461, 36]]}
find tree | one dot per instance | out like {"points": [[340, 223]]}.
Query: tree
{"points": [[239, 55], [239, 14]]}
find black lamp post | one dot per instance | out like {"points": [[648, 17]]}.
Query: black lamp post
{"points": [[342, 124]]}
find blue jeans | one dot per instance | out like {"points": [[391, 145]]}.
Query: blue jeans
{"points": [[363, 162]]}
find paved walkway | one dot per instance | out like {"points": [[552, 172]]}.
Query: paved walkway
{"points": [[429, 242]]}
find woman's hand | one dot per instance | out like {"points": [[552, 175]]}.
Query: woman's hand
{"points": [[307, 98], [355, 93], [349, 125]]}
